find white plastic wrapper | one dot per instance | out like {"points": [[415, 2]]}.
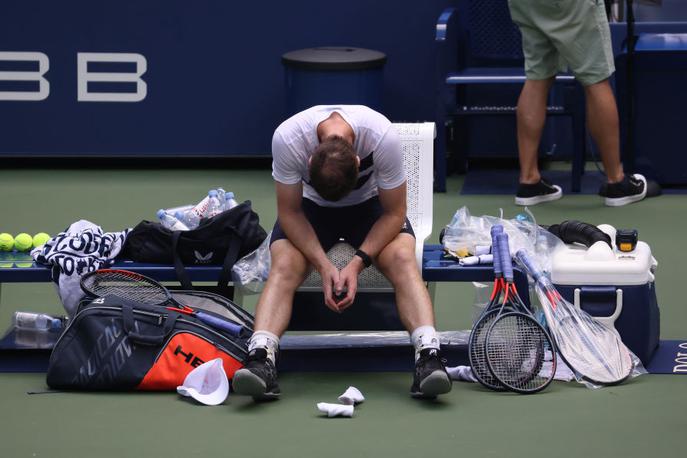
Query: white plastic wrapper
{"points": [[594, 352], [251, 271], [470, 233]]}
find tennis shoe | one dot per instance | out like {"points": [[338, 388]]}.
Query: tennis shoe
{"points": [[258, 378], [431, 378], [533, 194], [633, 188]]}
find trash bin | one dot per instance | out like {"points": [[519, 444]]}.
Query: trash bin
{"points": [[333, 75]]}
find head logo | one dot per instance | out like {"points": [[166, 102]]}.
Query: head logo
{"points": [[202, 259]]}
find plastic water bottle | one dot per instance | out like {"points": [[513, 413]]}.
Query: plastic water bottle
{"points": [[220, 194], [170, 222], [174, 210], [201, 208], [229, 201], [36, 321], [214, 205], [188, 218]]}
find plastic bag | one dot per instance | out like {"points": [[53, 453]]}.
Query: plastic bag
{"points": [[251, 271], [594, 352], [465, 233]]}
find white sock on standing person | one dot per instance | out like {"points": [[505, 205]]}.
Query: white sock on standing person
{"points": [[424, 337], [266, 340]]}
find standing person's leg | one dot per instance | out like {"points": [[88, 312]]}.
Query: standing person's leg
{"points": [[272, 315], [531, 116], [397, 262], [586, 46], [541, 66], [603, 125]]}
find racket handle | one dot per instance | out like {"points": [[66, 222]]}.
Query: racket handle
{"points": [[524, 260], [504, 255], [495, 231], [219, 323]]}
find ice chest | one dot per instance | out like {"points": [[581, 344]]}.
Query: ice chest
{"points": [[616, 288]]}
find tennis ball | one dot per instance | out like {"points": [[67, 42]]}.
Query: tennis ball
{"points": [[23, 242], [6, 242], [40, 239]]}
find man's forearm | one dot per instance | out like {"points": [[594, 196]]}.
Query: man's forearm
{"points": [[385, 229], [301, 234]]}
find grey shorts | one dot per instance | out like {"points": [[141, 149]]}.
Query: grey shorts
{"points": [[561, 34]]}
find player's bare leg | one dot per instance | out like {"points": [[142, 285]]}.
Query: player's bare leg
{"points": [[272, 315], [397, 262]]}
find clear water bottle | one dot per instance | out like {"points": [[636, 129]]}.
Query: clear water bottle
{"points": [[170, 222], [229, 201], [174, 210], [201, 208], [188, 218], [36, 321], [214, 205]]}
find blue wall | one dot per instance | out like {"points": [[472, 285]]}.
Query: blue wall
{"points": [[214, 76]]}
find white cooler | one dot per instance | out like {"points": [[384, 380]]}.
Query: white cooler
{"points": [[617, 288]]}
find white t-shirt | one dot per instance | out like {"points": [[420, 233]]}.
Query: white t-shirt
{"points": [[376, 142]]}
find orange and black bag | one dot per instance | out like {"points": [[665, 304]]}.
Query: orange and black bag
{"points": [[115, 344]]}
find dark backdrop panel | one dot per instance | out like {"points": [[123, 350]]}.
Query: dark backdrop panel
{"points": [[214, 77]]}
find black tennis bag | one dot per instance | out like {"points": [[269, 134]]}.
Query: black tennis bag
{"points": [[115, 344], [220, 240]]}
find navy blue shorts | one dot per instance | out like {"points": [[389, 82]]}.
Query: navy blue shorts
{"points": [[334, 224]]}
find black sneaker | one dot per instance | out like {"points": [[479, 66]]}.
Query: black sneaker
{"points": [[533, 194], [431, 378], [258, 378], [631, 189]]}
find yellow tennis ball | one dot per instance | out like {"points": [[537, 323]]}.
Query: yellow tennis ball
{"points": [[23, 242], [40, 239], [6, 242]]}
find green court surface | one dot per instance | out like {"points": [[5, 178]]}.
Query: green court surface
{"points": [[645, 417]]}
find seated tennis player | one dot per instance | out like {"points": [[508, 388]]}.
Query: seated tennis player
{"points": [[339, 174]]}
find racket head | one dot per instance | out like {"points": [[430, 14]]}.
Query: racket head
{"points": [[592, 350], [126, 285], [477, 353], [516, 346]]}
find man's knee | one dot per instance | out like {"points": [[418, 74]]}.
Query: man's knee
{"points": [[288, 265], [398, 257]]}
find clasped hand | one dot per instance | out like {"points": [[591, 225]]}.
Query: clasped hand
{"points": [[340, 286]]}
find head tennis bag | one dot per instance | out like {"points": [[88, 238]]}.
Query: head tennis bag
{"points": [[114, 344], [219, 240]]}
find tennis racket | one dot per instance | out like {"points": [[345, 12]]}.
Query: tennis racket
{"points": [[516, 345], [593, 351], [139, 288], [476, 353]]}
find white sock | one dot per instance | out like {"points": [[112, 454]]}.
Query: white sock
{"points": [[266, 340], [351, 396], [335, 410], [424, 337]]}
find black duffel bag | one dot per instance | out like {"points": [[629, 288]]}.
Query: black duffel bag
{"points": [[115, 344], [220, 240]]}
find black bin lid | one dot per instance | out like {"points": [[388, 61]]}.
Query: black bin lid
{"points": [[334, 58]]}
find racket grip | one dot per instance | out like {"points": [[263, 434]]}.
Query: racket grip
{"points": [[524, 260], [495, 231], [220, 323], [504, 254]]}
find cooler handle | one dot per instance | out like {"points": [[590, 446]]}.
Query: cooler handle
{"points": [[608, 321]]}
